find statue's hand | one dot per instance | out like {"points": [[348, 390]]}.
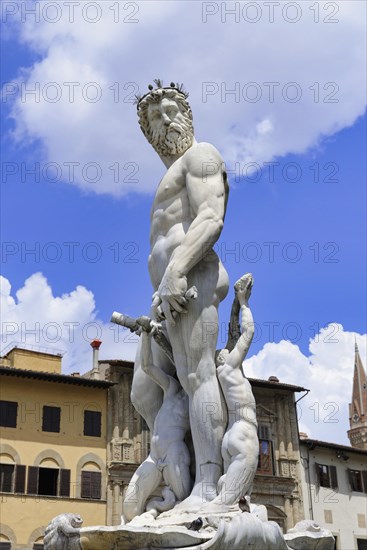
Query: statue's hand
{"points": [[169, 300], [243, 288]]}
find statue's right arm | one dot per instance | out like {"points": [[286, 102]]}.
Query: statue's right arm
{"points": [[239, 352]]}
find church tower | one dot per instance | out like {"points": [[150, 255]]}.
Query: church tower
{"points": [[358, 407]]}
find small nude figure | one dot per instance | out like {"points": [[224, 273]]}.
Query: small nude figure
{"points": [[169, 458], [240, 446]]}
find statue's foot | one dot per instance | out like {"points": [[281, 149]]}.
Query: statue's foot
{"points": [[192, 503]]}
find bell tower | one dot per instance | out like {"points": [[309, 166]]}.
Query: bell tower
{"points": [[358, 407]]}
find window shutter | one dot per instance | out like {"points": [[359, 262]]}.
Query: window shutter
{"points": [[333, 477], [6, 478], [87, 423], [8, 414], [51, 419], [96, 485], [86, 485], [32, 486], [64, 483], [350, 478], [98, 424], [318, 473], [19, 479], [92, 423], [364, 477]]}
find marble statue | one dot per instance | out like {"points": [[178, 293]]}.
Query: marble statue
{"points": [[186, 220], [169, 458], [182, 387]]}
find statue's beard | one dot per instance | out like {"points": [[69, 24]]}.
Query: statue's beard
{"points": [[173, 140]]}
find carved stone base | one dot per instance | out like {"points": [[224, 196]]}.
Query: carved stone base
{"points": [[225, 530]]}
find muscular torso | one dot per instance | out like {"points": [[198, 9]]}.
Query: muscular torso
{"points": [[238, 395], [171, 215], [170, 218]]}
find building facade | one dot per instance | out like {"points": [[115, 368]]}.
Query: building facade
{"points": [[278, 479], [53, 447], [334, 480]]}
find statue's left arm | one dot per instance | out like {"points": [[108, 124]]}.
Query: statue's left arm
{"points": [[207, 192], [243, 292]]}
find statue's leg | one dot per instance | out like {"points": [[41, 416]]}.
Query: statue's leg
{"points": [[145, 480], [194, 340], [243, 447], [176, 473], [146, 395]]}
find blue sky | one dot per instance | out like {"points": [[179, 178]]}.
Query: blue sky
{"points": [[298, 224]]}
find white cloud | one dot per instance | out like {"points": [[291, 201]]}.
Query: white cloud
{"points": [[170, 40], [327, 372], [67, 323]]}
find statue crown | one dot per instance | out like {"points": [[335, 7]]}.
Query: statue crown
{"points": [[179, 88]]}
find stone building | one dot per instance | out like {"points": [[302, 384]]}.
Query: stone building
{"points": [[53, 449], [334, 477], [334, 480], [278, 478]]}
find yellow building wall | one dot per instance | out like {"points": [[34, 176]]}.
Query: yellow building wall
{"points": [[25, 513], [34, 360]]}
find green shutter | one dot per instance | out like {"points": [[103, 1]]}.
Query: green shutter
{"points": [[364, 478], [64, 483], [86, 485], [19, 479], [32, 485], [333, 477], [96, 485]]}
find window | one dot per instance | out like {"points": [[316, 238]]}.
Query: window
{"points": [[358, 480], [91, 485], [265, 462], [48, 481], [12, 478], [326, 476], [51, 419], [361, 544], [5, 545], [8, 414], [92, 423], [37, 546]]}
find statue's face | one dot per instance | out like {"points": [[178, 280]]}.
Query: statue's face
{"points": [[171, 131]]}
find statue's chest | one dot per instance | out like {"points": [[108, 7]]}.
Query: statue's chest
{"points": [[171, 187]]}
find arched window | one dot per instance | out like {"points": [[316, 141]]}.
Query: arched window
{"points": [[48, 478], [8, 539], [5, 543], [38, 545], [91, 477], [12, 474]]}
